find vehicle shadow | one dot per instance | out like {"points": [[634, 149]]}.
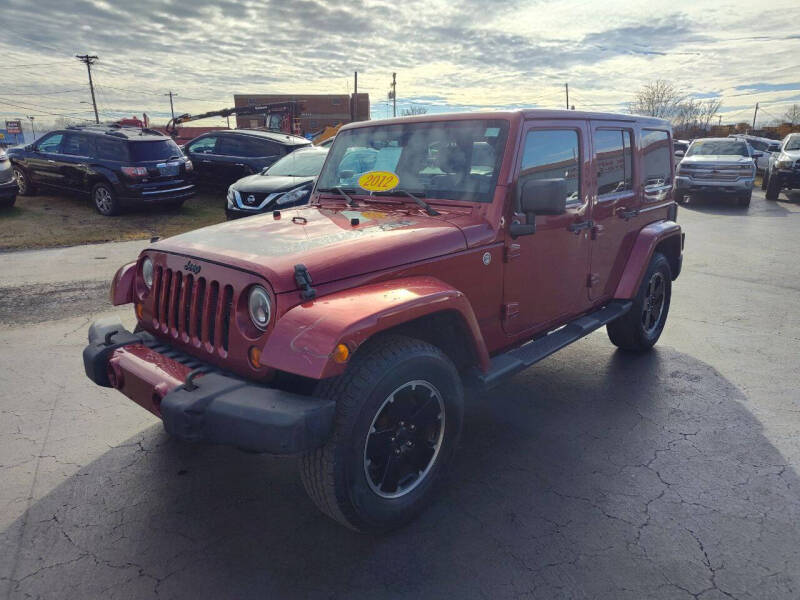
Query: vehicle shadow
{"points": [[722, 205], [596, 474]]}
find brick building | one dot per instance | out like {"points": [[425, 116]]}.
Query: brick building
{"points": [[320, 109]]}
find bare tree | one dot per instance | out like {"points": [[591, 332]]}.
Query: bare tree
{"points": [[414, 110], [657, 99], [792, 114]]}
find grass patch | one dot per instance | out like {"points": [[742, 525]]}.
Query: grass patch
{"points": [[48, 221]]}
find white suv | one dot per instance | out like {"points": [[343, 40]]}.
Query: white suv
{"points": [[784, 167]]}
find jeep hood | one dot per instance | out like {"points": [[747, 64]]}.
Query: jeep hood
{"points": [[321, 238]]}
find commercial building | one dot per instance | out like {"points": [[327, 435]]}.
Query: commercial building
{"points": [[320, 110]]}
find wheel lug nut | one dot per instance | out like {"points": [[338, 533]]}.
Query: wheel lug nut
{"points": [[397, 451], [409, 443]]}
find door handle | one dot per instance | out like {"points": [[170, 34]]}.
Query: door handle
{"points": [[51, 161], [205, 161], [626, 214], [576, 228], [239, 164]]}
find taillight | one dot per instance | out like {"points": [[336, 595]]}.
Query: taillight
{"points": [[135, 171]]}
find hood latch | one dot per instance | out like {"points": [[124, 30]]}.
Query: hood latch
{"points": [[303, 280]]}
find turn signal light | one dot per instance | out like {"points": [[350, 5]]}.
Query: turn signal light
{"points": [[341, 353], [254, 355], [139, 308]]}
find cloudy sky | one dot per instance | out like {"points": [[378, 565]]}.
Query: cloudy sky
{"points": [[474, 55]]}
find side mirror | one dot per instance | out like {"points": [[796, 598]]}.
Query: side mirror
{"points": [[679, 153], [540, 197]]}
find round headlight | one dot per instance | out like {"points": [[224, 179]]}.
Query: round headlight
{"points": [[147, 273], [258, 304]]}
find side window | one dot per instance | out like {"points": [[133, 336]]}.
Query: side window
{"points": [[656, 157], [257, 148], [613, 160], [203, 146], [76, 144], [553, 154], [110, 149], [51, 143]]}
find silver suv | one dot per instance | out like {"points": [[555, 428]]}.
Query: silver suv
{"points": [[723, 166], [784, 167]]}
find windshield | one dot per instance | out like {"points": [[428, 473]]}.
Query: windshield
{"points": [[457, 160], [793, 143], [726, 147], [299, 164], [160, 150]]}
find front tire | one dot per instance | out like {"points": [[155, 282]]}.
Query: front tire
{"points": [[24, 183], [399, 411], [105, 200], [639, 329], [764, 179], [744, 199], [773, 188]]}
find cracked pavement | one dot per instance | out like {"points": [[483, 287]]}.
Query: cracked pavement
{"points": [[595, 474]]}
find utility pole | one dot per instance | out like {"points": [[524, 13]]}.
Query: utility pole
{"points": [[171, 108], [754, 116], [394, 94], [33, 131], [354, 103], [90, 60], [720, 121], [566, 89]]}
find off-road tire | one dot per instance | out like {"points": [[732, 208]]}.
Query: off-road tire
{"points": [[335, 474], [628, 332], [26, 187], [743, 200], [773, 189], [105, 200]]}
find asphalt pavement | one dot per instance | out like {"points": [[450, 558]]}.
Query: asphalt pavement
{"points": [[594, 474]]}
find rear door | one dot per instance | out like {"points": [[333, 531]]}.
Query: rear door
{"points": [[76, 152], [616, 203], [545, 275]]}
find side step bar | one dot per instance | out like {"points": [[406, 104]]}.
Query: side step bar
{"points": [[509, 363]]}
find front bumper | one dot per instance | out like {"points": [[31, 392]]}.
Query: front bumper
{"points": [[687, 185], [199, 403], [9, 189], [787, 178]]}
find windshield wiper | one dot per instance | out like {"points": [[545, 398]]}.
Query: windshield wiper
{"points": [[340, 190], [427, 207]]}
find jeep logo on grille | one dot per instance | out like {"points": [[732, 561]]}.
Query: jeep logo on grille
{"points": [[192, 267]]}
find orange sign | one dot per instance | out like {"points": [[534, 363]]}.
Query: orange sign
{"points": [[378, 181]]}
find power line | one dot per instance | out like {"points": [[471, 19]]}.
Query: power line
{"points": [[30, 65], [40, 93]]}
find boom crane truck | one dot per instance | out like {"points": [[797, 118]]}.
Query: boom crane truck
{"points": [[280, 116]]}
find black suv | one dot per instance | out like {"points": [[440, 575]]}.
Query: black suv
{"points": [[222, 157], [117, 166]]}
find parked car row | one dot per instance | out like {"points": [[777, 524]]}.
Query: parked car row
{"points": [[119, 167]]}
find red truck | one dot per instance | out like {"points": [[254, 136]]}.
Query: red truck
{"points": [[438, 252]]}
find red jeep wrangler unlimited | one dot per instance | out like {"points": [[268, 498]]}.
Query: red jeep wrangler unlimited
{"points": [[436, 251]]}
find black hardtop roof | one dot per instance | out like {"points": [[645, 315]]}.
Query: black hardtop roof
{"points": [[132, 134], [275, 136]]}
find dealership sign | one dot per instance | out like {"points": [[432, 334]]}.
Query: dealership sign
{"points": [[14, 126]]}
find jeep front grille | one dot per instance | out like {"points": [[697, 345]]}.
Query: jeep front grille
{"points": [[192, 309]]}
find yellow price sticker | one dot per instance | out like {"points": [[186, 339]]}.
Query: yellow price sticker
{"points": [[378, 181]]}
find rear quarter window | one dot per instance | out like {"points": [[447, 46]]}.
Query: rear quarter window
{"points": [[656, 157], [111, 149]]}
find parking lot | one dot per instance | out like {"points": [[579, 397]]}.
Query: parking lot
{"points": [[595, 474]]}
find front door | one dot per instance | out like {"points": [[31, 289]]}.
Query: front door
{"points": [[202, 153], [616, 204], [546, 272], [43, 163]]}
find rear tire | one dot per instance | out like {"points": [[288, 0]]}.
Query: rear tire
{"points": [[26, 187], [399, 410], [105, 200], [773, 189], [639, 329]]}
